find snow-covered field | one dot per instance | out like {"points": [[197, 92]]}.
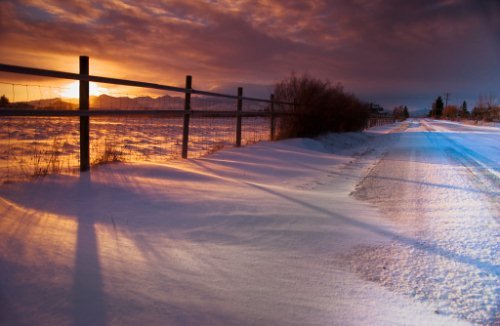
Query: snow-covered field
{"points": [[396, 225], [34, 146]]}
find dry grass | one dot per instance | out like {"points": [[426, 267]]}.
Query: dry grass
{"points": [[47, 161], [111, 154], [215, 147]]}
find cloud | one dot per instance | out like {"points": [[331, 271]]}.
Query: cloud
{"points": [[367, 45]]}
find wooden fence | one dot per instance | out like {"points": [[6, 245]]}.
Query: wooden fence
{"points": [[379, 120], [187, 113]]}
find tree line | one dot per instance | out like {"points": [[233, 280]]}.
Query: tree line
{"points": [[401, 112], [485, 109]]}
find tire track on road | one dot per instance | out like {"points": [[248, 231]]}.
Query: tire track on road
{"points": [[434, 200]]}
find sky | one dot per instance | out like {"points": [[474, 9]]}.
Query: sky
{"points": [[390, 52]]}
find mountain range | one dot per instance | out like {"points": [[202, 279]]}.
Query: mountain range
{"points": [[106, 102]]}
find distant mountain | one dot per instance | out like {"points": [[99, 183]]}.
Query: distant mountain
{"points": [[106, 102], [136, 103], [419, 113], [161, 103], [47, 104]]}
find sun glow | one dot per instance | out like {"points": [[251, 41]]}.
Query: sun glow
{"points": [[72, 90]]}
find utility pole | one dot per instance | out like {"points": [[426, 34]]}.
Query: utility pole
{"points": [[446, 96]]}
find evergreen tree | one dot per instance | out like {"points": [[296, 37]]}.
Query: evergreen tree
{"points": [[463, 110], [4, 101], [405, 112], [437, 107]]}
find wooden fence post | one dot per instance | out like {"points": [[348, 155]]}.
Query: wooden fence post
{"points": [[271, 109], [238, 117], [187, 114], [84, 121]]}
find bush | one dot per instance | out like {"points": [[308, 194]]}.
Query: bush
{"points": [[450, 112], [318, 108], [488, 114], [486, 109]]}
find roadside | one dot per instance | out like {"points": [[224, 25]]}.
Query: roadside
{"points": [[446, 206]]}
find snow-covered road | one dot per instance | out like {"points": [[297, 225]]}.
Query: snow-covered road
{"points": [[398, 225], [439, 181]]}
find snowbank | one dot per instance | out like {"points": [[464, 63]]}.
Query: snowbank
{"points": [[256, 235]]}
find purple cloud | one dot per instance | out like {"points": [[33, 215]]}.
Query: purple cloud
{"points": [[382, 50]]}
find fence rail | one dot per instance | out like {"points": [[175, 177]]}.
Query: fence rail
{"points": [[123, 82], [229, 119], [379, 120], [109, 113], [84, 111]]}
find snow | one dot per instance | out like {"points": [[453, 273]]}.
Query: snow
{"points": [[444, 195], [396, 225], [32, 146]]}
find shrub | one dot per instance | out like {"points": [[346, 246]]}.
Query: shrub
{"points": [[486, 109], [318, 108], [450, 112], [111, 154]]}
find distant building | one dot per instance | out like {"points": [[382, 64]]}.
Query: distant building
{"points": [[375, 108]]}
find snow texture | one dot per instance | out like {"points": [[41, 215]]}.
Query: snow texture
{"points": [[397, 225]]}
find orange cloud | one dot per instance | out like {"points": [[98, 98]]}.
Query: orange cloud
{"points": [[383, 46]]}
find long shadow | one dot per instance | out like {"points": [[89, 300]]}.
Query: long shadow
{"points": [[87, 294], [89, 304], [421, 183], [342, 173], [240, 159], [84, 199], [424, 246], [467, 152], [89, 301]]}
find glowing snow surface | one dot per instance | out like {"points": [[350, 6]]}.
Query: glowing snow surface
{"points": [[442, 189], [398, 225]]}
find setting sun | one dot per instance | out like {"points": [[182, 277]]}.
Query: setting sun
{"points": [[72, 90]]}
